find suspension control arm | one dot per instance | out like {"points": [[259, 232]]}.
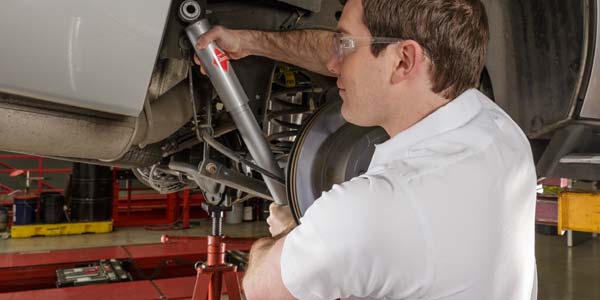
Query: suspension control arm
{"points": [[212, 171]]}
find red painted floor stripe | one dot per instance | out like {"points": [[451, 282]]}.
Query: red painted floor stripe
{"points": [[136, 290]]}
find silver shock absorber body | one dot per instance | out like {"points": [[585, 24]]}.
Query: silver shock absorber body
{"points": [[221, 74]]}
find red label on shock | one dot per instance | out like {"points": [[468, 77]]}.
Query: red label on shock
{"points": [[222, 58]]}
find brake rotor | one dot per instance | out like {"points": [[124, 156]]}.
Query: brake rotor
{"points": [[327, 151]]}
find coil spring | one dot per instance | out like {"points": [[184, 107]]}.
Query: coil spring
{"points": [[289, 105]]}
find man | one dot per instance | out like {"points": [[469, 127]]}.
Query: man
{"points": [[446, 208]]}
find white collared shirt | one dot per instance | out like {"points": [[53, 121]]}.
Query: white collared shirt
{"points": [[445, 211]]}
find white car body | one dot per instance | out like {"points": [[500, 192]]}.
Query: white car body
{"points": [[96, 54]]}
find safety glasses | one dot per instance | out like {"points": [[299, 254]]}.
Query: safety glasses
{"points": [[344, 44]]}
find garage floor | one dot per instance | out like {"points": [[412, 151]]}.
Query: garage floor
{"points": [[564, 273], [568, 273]]}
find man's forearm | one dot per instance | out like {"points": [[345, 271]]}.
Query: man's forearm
{"points": [[309, 49], [257, 254], [260, 249], [263, 280]]}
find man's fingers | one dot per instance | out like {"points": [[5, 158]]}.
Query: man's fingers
{"points": [[203, 41], [198, 62], [275, 208], [273, 232], [209, 37], [280, 219]]}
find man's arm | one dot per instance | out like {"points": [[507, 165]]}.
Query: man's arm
{"points": [[309, 49], [263, 279]]}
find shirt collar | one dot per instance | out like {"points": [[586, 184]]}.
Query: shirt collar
{"points": [[448, 117]]}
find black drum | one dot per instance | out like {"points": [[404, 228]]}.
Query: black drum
{"points": [[52, 208], [90, 193], [3, 218]]}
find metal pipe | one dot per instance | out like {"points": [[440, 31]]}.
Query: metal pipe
{"points": [[221, 73]]}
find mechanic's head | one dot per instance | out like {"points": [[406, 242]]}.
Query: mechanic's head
{"points": [[454, 34], [406, 48]]}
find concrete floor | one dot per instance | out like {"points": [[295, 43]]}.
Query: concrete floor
{"points": [[564, 273], [568, 273]]}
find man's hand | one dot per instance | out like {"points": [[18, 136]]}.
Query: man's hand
{"points": [[280, 219], [228, 40], [309, 49]]}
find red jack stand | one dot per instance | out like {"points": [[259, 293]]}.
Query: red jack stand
{"points": [[212, 274], [214, 271]]}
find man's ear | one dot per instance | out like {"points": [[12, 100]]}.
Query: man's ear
{"points": [[408, 58]]}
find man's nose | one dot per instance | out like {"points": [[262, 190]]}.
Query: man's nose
{"points": [[333, 64]]}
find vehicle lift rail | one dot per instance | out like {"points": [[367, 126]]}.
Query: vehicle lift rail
{"points": [[31, 275]]}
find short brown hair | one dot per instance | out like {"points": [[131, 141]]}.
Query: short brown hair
{"points": [[454, 34]]}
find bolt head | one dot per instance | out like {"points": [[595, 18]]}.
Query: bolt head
{"points": [[211, 168]]}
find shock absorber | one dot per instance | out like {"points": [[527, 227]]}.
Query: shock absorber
{"points": [[221, 74]]}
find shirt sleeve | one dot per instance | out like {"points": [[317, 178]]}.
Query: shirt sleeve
{"points": [[345, 247]]}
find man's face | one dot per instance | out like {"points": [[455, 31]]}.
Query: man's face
{"points": [[363, 78]]}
